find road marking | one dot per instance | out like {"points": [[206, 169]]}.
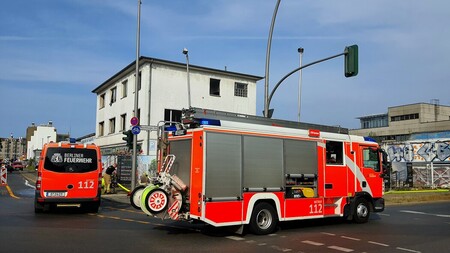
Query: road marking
{"points": [[379, 243], [422, 213], [29, 185], [235, 238], [383, 214], [340, 248], [408, 250], [413, 212], [325, 233], [313, 243], [280, 248], [351, 238]]}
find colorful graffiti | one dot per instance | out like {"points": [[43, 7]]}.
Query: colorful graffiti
{"points": [[419, 152]]}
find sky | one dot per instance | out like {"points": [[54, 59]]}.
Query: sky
{"points": [[53, 53]]}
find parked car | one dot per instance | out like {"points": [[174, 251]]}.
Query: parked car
{"points": [[17, 165]]}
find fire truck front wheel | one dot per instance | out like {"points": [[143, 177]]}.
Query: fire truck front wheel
{"points": [[264, 219], [362, 211]]}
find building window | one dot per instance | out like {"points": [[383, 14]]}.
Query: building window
{"points": [[139, 81], [113, 95], [124, 88], [123, 122], [405, 117], [102, 101], [240, 89], [112, 125], [172, 115], [101, 128], [214, 87]]}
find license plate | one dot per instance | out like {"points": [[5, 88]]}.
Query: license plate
{"points": [[56, 194]]}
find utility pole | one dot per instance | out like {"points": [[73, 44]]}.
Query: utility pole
{"points": [[136, 97], [266, 75]]}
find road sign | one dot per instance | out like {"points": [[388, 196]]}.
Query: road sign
{"points": [[134, 121], [149, 128], [136, 130]]}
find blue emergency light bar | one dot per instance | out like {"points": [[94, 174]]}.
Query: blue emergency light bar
{"points": [[209, 122], [366, 138]]}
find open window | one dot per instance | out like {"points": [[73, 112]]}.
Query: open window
{"points": [[335, 152]]}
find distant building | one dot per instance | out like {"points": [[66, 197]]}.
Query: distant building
{"points": [[38, 135], [12, 149], [417, 140], [163, 92]]}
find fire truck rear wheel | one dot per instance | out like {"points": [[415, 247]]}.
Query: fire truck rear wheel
{"points": [[264, 219], [156, 201], [135, 197], [362, 211]]}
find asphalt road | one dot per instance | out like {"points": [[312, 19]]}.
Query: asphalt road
{"points": [[118, 227]]}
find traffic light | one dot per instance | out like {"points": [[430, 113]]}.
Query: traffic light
{"points": [[128, 138], [351, 61]]}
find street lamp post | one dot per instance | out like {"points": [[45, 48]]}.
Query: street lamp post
{"points": [[266, 75], [186, 52], [136, 91], [300, 50]]}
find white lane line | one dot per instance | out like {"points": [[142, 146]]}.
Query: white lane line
{"points": [[29, 185], [383, 214], [235, 238], [325, 233], [413, 212], [408, 250], [351, 238], [379, 243], [422, 213], [313, 243], [340, 248]]}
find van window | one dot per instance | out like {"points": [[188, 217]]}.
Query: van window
{"points": [[66, 160]]}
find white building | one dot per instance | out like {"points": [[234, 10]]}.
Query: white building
{"points": [[37, 136], [163, 92]]}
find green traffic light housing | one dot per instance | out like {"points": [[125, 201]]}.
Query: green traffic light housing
{"points": [[128, 138], [351, 61]]}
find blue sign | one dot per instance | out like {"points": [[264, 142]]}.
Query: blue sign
{"points": [[136, 130]]}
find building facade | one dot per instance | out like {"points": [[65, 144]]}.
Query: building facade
{"points": [[12, 149], [162, 94], [416, 138], [38, 135]]}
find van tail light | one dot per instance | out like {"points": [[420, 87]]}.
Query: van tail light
{"points": [[100, 180], [39, 181]]}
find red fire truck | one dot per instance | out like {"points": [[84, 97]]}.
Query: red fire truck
{"points": [[228, 173]]}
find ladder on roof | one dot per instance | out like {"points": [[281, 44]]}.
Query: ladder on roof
{"points": [[197, 113]]}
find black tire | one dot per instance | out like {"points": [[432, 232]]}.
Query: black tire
{"points": [[264, 219], [361, 211], [157, 201], [91, 207], [38, 208], [135, 197]]}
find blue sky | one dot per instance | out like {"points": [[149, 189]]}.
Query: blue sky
{"points": [[53, 53]]}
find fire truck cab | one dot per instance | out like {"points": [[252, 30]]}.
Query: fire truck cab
{"points": [[228, 173]]}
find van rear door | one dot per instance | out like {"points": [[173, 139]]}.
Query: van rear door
{"points": [[70, 173]]}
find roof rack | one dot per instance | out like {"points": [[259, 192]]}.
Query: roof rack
{"points": [[195, 113]]}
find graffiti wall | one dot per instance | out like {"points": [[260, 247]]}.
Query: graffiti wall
{"points": [[427, 151]]}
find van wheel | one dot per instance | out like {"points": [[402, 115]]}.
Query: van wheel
{"points": [[91, 207], [135, 197], [264, 219], [156, 201], [38, 208], [362, 211]]}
